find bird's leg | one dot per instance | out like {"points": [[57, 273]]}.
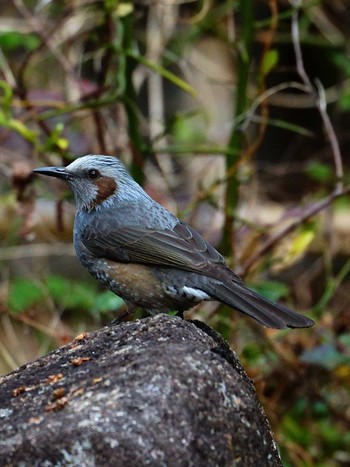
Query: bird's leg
{"points": [[129, 310]]}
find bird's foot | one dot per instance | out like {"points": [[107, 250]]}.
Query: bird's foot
{"points": [[120, 318], [122, 315]]}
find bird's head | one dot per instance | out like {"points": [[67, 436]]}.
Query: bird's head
{"points": [[96, 181]]}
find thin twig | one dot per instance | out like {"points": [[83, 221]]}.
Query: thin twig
{"points": [[322, 104], [40, 30], [309, 212], [319, 96], [317, 91], [250, 114], [297, 47]]}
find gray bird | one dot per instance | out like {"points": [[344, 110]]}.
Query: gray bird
{"points": [[145, 254]]}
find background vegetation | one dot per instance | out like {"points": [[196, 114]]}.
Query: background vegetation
{"points": [[235, 115]]}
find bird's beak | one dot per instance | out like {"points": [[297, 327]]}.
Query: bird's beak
{"points": [[58, 172]]}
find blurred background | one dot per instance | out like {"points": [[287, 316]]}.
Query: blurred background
{"points": [[233, 114]]}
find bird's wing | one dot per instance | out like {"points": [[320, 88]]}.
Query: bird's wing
{"points": [[180, 247]]}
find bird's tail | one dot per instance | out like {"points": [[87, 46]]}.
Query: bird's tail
{"points": [[266, 312]]}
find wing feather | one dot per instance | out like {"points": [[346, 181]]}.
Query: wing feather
{"points": [[179, 247]]}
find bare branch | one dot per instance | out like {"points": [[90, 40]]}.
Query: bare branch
{"points": [[319, 95], [309, 212], [322, 105]]}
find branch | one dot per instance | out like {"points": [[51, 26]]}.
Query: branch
{"points": [[309, 212], [319, 95]]}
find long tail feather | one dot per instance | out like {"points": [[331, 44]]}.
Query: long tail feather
{"points": [[266, 312]]}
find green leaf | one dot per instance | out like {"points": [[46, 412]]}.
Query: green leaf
{"points": [[290, 127], [11, 40], [172, 313], [180, 83], [270, 61], [23, 294], [62, 143], [124, 9], [319, 172], [300, 242], [55, 139]]}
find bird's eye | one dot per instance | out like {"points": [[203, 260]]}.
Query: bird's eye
{"points": [[93, 174]]}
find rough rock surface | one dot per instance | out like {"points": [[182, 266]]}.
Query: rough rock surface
{"points": [[155, 392]]}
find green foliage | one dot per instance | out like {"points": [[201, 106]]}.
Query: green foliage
{"points": [[326, 436], [8, 121], [23, 294], [172, 313], [71, 295], [55, 139], [270, 61], [293, 427], [12, 40], [319, 172], [105, 302], [68, 295]]}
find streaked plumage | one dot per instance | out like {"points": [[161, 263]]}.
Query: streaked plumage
{"points": [[145, 254]]}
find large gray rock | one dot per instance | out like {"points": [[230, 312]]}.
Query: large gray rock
{"points": [[155, 392]]}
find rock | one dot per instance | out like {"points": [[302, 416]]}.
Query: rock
{"points": [[159, 391]]}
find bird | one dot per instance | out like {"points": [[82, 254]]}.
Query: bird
{"points": [[146, 255]]}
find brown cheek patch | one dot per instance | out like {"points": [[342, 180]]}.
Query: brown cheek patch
{"points": [[106, 187]]}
